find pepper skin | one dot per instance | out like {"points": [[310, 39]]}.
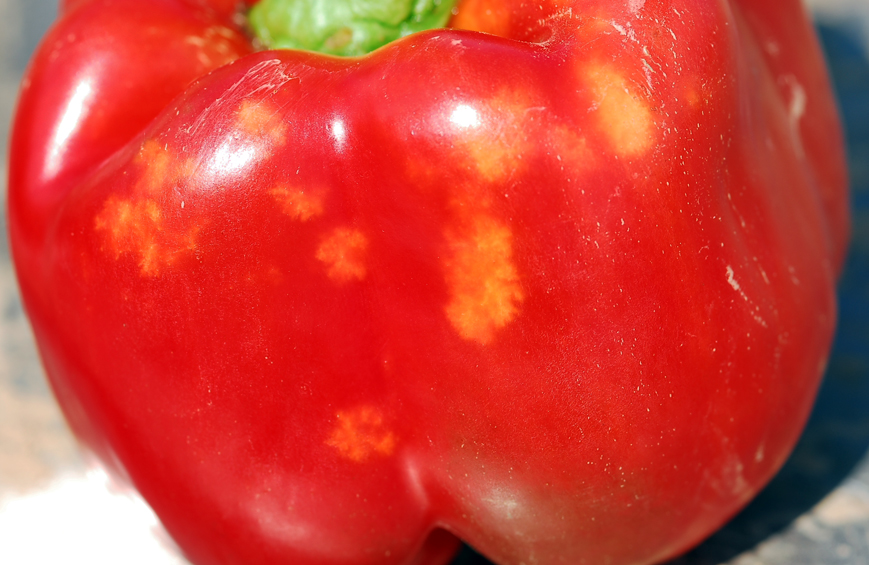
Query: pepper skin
{"points": [[563, 290]]}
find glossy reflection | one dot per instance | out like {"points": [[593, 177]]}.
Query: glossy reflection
{"points": [[338, 130], [232, 158], [465, 116], [70, 121]]}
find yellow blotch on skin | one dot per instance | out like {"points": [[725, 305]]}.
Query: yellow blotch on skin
{"points": [[136, 225], [360, 433], [158, 165], [497, 146], [298, 204], [694, 99], [623, 117], [483, 282], [344, 252], [261, 119]]}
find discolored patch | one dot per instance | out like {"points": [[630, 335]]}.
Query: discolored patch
{"points": [[298, 204], [261, 119], [693, 99], [622, 115], [157, 163], [344, 253], [483, 283], [361, 433], [571, 149], [137, 225], [497, 138]]}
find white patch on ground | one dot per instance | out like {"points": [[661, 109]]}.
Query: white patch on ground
{"points": [[86, 522]]}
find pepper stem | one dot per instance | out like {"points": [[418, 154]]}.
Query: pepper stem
{"points": [[343, 27]]}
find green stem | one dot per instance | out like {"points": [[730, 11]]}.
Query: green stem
{"points": [[343, 27]]}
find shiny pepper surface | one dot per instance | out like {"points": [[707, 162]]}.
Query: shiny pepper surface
{"points": [[563, 289]]}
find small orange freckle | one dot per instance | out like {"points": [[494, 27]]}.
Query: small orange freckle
{"points": [[151, 153], [262, 119], [571, 149], [483, 282], [360, 433], [623, 116], [298, 204], [693, 98], [186, 168], [344, 252]]}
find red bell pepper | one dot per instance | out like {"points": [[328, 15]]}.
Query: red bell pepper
{"points": [[563, 289]]}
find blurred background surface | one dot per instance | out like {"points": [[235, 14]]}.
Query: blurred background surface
{"points": [[57, 508]]}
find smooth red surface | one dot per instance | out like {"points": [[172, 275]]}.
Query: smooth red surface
{"points": [[566, 293]]}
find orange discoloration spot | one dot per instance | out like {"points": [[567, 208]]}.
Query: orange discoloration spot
{"points": [[487, 16], [571, 148], [483, 282], [344, 254], [496, 149], [158, 166], [360, 433], [137, 225], [693, 98], [623, 116], [261, 119], [298, 204]]}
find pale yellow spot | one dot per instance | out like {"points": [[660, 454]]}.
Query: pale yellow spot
{"points": [[497, 144], [360, 433], [693, 98], [298, 204], [261, 119], [157, 163], [483, 283], [344, 252], [622, 115], [136, 225]]}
